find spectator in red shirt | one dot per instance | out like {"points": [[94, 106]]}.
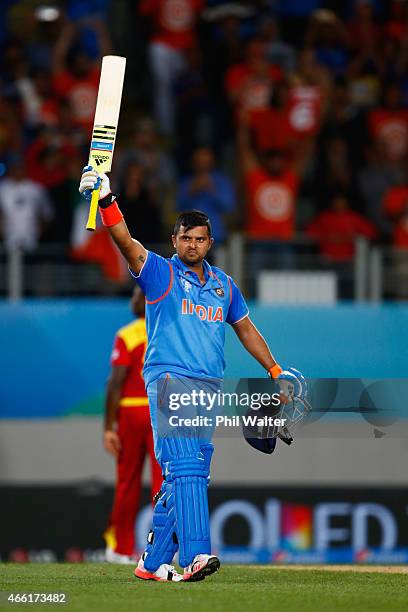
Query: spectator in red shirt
{"points": [[272, 185], [295, 108], [310, 90], [76, 75], [336, 228], [39, 102], [47, 158], [173, 32], [271, 126], [389, 124], [250, 84]]}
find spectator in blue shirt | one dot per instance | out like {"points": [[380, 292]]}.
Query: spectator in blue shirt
{"points": [[208, 190]]}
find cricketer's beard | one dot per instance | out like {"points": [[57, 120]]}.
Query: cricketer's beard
{"points": [[193, 259]]}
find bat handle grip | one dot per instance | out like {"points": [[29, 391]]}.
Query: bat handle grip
{"points": [[93, 209]]}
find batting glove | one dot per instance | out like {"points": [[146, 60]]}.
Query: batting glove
{"points": [[91, 180], [292, 384]]}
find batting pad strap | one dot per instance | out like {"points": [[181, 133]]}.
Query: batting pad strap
{"points": [[111, 215], [207, 451], [275, 371], [186, 466]]}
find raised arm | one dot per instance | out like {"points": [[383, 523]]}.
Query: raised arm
{"points": [[103, 36], [62, 46], [132, 250]]}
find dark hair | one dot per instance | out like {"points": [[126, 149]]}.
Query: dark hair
{"points": [[193, 218]]}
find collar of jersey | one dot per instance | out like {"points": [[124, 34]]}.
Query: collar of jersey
{"points": [[212, 281]]}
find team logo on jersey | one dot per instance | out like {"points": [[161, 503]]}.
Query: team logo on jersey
{"points": [[186, 285], [220, 292], [204, 313]]}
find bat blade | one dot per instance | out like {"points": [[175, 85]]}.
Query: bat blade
{"points": [[107, 113], [106, 122]]}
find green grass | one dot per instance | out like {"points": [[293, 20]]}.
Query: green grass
{"points": [[103, 588]]}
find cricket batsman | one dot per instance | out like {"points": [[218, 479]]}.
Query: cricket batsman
{"points": [[128, 433], [188, 303]]}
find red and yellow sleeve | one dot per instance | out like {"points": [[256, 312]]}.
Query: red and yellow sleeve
{"points": [[120, 353]]}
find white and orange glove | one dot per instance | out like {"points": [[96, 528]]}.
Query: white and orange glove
{"points": [[292, 383], [91, 180], [108, 207]]}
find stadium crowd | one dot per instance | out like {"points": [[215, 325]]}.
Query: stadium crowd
{"points": [[279, 118]]}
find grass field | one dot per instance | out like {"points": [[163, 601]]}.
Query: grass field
{"points": [[103, 587]]}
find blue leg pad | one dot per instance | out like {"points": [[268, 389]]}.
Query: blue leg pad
{"points": [[189, 475], [162, 540], [207, 450]]}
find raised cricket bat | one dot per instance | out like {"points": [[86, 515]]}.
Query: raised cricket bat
{"points": [[105, 123]]}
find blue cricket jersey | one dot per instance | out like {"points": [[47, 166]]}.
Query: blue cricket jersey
{"points": [[185, 320]]}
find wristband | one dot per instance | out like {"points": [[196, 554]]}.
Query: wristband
{"points": [[275, 371], [111, 215], [107, 200]]}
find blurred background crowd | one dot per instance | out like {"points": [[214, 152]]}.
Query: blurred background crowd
{"points": [[286, 121]]}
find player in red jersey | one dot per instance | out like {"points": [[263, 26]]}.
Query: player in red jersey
{"points": [[128, 434]]}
